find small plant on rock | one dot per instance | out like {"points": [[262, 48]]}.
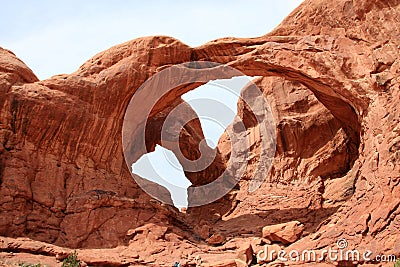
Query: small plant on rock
{"points": [[72, 260]]}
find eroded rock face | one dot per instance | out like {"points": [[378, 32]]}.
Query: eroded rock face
{"points": [[52, 179], [331, 73], [311, 143]]}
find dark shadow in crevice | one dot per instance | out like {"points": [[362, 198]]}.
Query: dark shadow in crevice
{"points": [[250, 225], [253, 223]]}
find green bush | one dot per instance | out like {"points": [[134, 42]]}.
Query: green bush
{"points": [[397, 263], [72, 260]]}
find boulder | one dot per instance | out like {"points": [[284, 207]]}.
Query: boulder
{"points": [[285, 233]]}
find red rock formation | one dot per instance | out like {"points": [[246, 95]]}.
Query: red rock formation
{"points": [[63, 179]]}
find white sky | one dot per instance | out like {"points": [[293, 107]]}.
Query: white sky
{"points": [[55, 37], [216, 105]]}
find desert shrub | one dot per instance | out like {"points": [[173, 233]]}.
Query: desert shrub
{"points": [[72, 260]]}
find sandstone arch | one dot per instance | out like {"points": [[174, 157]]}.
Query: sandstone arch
{"points": [[60, 150]]}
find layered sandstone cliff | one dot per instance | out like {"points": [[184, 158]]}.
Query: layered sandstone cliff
{"points": [[331, 74]]}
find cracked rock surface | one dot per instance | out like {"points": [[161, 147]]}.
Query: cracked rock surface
{"points": [[330, 72]]}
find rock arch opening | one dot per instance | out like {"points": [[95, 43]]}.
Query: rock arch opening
{"points": [[318, 134], [215, 104], [318, 138], [162, 167]]}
